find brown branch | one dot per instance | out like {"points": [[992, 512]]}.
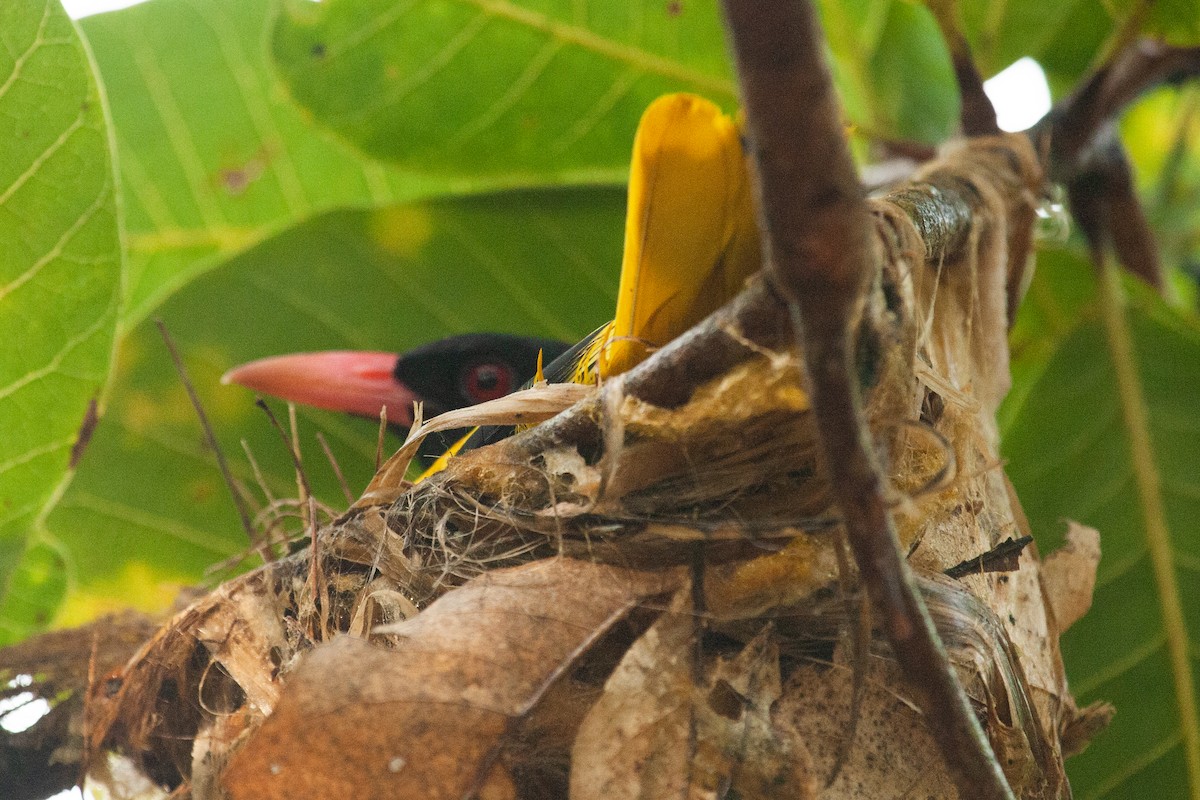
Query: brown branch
{"points": [[941, 208], [1104, 203], [1076, 121], [473, 514], [977, 115], [820, 252], [1084, 152]]}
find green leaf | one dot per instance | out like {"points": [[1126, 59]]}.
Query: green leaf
{"points": [[534, 91], [892, 69], [60, 272], [1108, 435], [148, 510], [1068, 38], [1175, 21], [213, 156], [1064, 37], [36, 588]]}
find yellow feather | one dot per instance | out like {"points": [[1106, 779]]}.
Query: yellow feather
{"points": [[691, 239], [441, 461], [538, 377]]}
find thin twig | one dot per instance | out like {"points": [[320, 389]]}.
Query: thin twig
{"points": [[301, 477], [820, 252], [860, 656], [379, 439], [258, 475], [337, 470], [978, 115], [239, 501], [302, 486]]}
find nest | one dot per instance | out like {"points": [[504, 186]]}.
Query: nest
{"points": [[648, 593]]}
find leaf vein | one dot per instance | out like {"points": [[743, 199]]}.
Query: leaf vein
{"points": [[431, 67], [154, 522], [57, 250], [36, 452], [516, 90], [590, 40], [407, 284], [1119, 568], [178, 131], [56, 361], [42, 158], [1136, 425], [280, 161], [314, 310], [1132, 766], [377, 25], [20, 61], [604, 104], [1118, 667], [503, 276]]}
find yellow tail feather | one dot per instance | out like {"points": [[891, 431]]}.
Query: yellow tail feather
{"points": [[691, 239]]}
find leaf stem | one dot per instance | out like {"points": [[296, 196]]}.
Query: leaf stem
{"points": [[1149, 487]]}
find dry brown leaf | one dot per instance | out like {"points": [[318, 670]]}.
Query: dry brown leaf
{"points": [[1069, 575], [431, 718], [635, 741], [893, 755], [763, 764], [659, 730]]}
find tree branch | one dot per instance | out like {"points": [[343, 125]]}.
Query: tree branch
{"points": [[1085, 153], [1076, 122], [820, 252], [978, 115]]}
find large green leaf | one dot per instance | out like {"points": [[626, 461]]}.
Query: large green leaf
{"points": [[1108, 434], [213, 156], [148, 510], [892, 68], [1068, 37], [60, 278], [535, 90], [550, 91]]}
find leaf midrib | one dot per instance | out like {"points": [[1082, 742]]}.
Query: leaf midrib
{"points": [[1135, 417], [581, 37], [589, 40]]}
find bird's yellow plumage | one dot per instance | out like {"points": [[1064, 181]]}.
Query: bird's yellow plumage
{"points": [[691, 239]]}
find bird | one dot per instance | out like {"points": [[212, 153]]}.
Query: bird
{"points": [[691, 241], [444, 375]]}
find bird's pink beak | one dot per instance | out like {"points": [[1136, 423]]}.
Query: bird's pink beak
{"points": [[339, 380]]}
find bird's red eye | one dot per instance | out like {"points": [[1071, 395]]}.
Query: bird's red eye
{"points": [[487, 382]]}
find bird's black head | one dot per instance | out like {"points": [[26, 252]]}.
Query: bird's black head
{"points": [[472, 368]]}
